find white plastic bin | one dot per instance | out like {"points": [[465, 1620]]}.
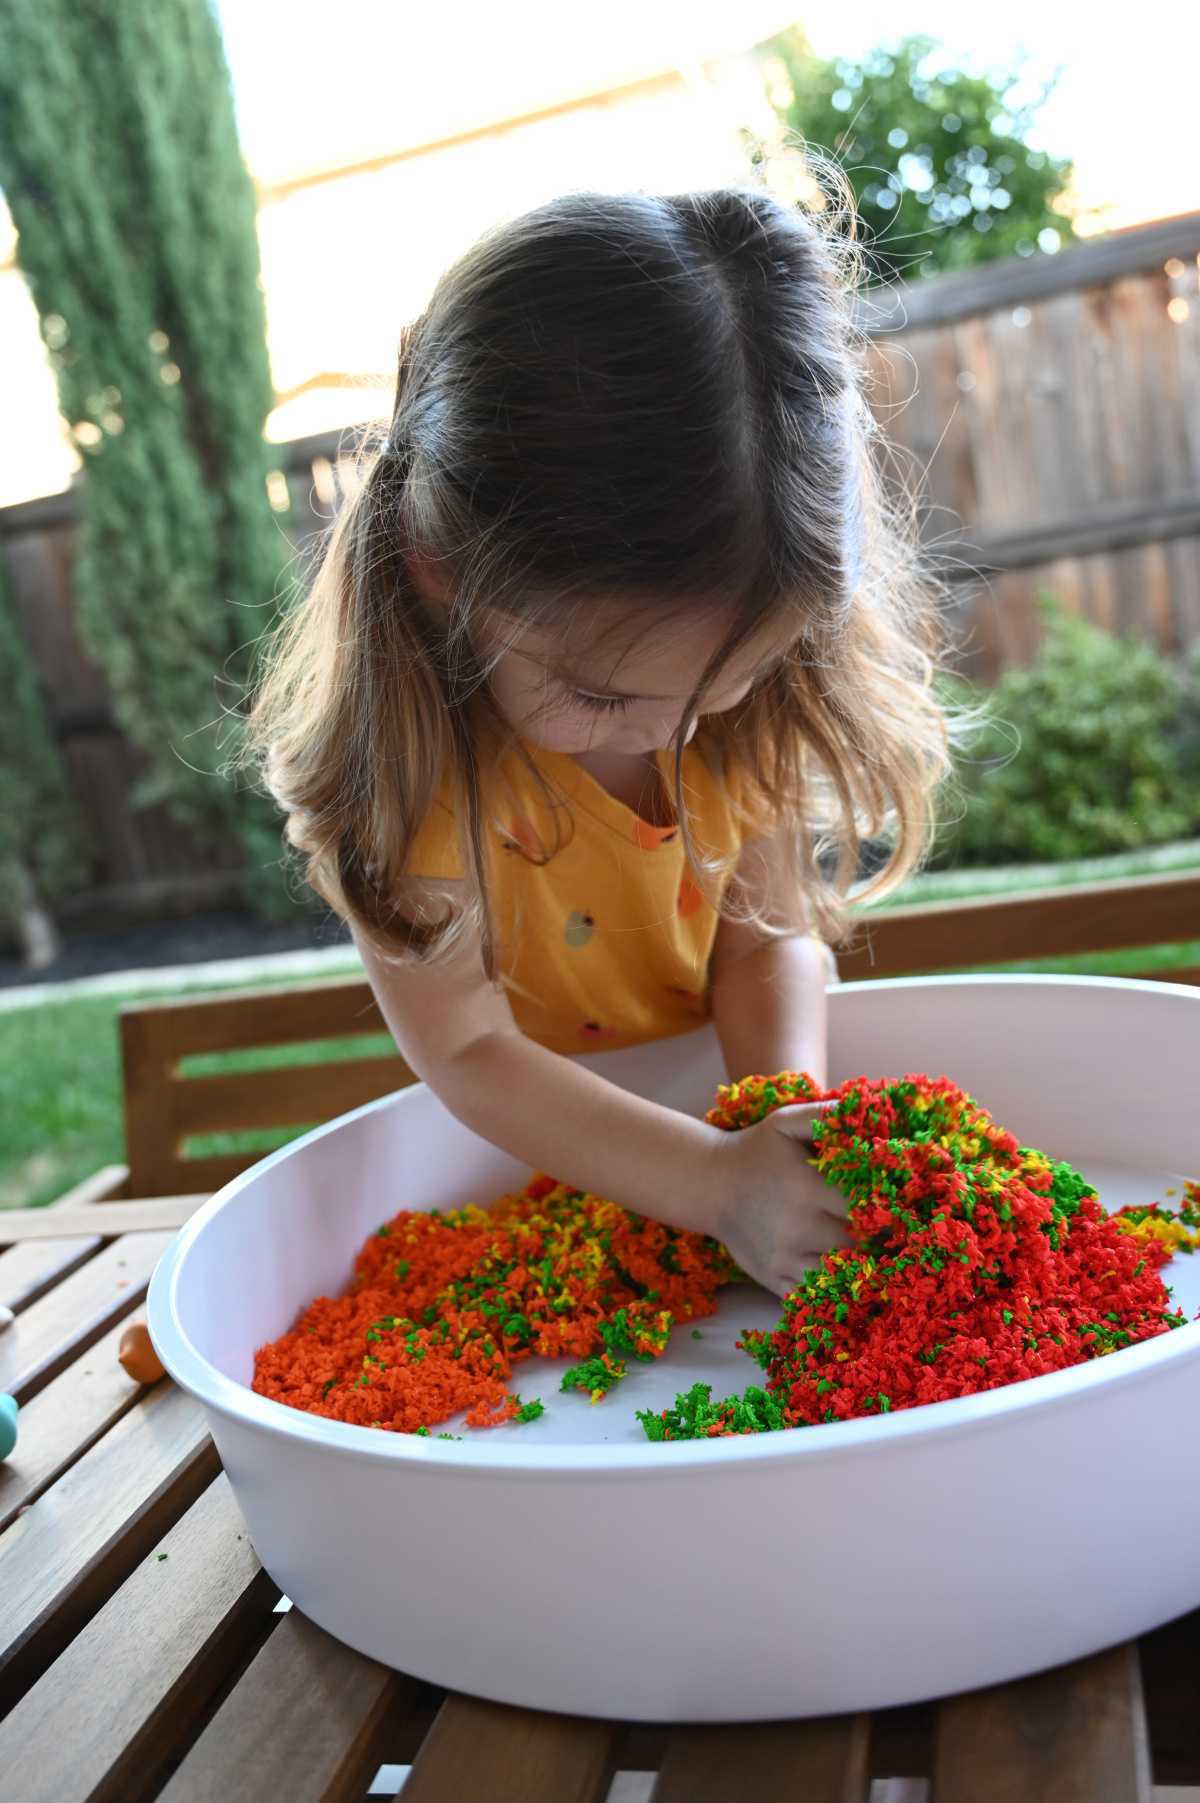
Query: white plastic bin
{"points": [[572, 1565]]}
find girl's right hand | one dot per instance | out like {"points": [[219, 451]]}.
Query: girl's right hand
{"points": [[779, 1214]]}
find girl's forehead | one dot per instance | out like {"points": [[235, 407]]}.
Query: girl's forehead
{"points": [[662, 661]]}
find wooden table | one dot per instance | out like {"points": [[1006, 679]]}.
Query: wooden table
{"points": [[145, 1653]]}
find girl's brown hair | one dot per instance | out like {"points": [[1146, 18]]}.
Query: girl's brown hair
{"points": [[657, 399]]}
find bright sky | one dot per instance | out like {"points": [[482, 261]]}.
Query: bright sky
{"points": [[308, 93], [345, 262], [319, 83]]}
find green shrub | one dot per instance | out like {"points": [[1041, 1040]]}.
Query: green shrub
{"points": [[1184, 730], [1094, 748]]}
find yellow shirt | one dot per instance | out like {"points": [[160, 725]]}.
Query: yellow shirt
{"points": [[607, 942]]}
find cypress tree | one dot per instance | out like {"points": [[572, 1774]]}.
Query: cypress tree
{"points": [[136, 232], [41, 852]]}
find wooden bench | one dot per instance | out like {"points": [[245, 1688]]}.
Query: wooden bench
{"points": [[165, 1106]]}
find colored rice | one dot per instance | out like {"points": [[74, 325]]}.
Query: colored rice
{"points": [[443, 1306], [976, 1262]]}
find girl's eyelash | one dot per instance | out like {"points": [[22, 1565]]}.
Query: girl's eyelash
{"points": [[619, 704], [604, 704]]}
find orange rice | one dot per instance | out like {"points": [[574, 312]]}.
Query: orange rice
{"points": [[443, 1306]]}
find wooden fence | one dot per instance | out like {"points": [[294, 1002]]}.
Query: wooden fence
{"points": [[1048, 411], [1053, 407]]}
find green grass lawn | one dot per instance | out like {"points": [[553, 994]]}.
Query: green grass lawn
{"points": [[951, 885], [60, 1089], [60, 1083]]}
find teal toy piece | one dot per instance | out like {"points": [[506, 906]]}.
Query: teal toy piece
{"points": [[8, 1424]]}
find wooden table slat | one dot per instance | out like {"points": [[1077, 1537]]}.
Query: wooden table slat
{"points": [[820, 1761], [28, 1271], [307, 1719], [64, 1420], [76, 1312], [1073, 1735], [62, 1559], [126, 1694], [486, 1750], [150, 1214], [100, 1185]]}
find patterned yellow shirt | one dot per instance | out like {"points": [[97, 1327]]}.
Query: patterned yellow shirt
{"points": [[607, 941]]}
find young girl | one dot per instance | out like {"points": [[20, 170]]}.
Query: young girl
{"points": [[607, 669]]}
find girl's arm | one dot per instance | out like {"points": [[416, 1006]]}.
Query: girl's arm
{"points": [[456, 1031], [753, 1190], [768, 994]]}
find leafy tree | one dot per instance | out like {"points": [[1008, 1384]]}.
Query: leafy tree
{"points": [[937, 158], [136, 232]]}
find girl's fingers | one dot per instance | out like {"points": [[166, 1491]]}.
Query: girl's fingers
{"points": [[797, 1118], [834, 1231], [786, 1285]]}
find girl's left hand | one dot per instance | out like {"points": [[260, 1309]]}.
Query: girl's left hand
{"points": [[780, 1215]]}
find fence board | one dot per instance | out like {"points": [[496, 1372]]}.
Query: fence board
{"points": [[1029, 280]]}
